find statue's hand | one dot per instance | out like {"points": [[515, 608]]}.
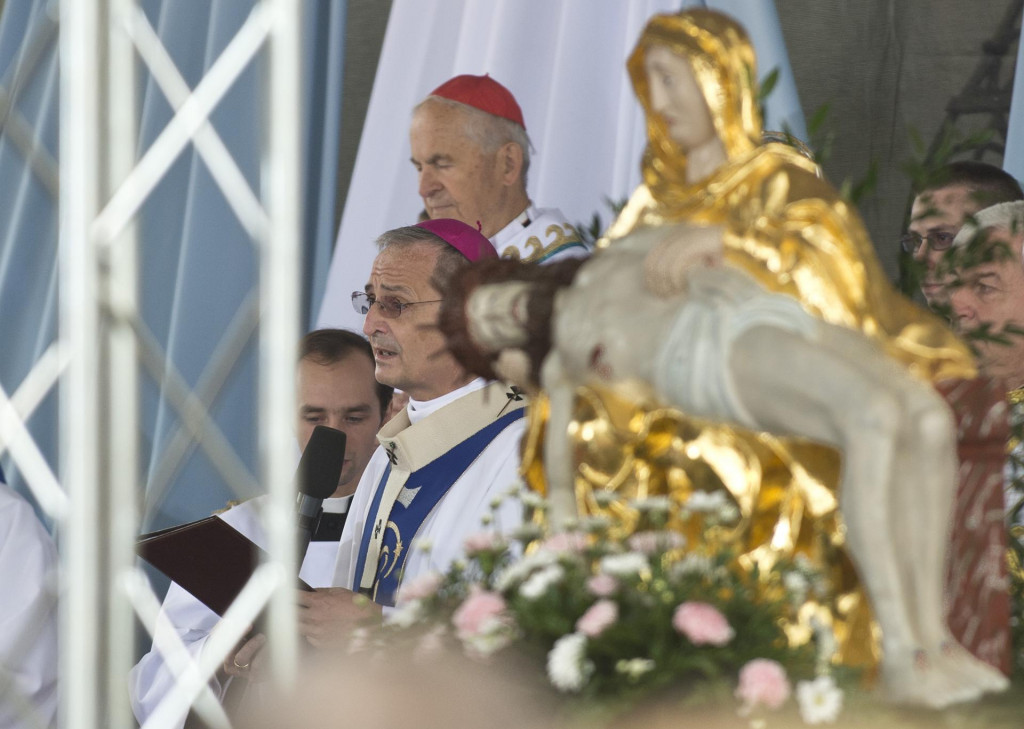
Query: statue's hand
{"points": [[682, 249]]}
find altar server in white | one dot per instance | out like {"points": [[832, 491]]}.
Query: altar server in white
{"points": [[28, 616], [336, 388]]}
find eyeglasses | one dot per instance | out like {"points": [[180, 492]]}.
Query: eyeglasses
{"points": [[938, 240], [390, 307]]}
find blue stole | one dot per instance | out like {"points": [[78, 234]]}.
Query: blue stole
{"points": [[428, 485]]}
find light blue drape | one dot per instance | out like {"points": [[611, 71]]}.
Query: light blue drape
{"points": [[197, 264]]}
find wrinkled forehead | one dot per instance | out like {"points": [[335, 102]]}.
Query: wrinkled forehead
{"points": [[436, 122], [404, 267]]}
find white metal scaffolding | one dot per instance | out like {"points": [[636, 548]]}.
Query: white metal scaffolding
{"points": [[104, 347]]}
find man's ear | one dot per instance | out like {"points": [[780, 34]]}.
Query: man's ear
{"points": [[510, 162]]}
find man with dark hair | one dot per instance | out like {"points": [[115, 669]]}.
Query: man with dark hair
{"points": [[951, 196], [446, 461], [336, 388], [472, 154]]}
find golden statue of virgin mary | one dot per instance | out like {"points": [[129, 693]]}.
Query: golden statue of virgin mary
{"points": [[783, 224]]}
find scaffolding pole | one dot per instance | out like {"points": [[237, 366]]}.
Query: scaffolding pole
{"points": [[103, 184]]}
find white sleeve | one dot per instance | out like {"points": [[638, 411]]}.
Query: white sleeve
{"points": [[151, 679], [348, 547], [28, 611]]}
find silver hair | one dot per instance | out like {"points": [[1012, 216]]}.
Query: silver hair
{"points": [[489, 131], [1007, 216], [449, 259]]}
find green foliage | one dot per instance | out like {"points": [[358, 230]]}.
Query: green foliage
{"points": [[590, 232], [924, 168]]}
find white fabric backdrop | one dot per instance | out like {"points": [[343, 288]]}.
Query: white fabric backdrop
{"points": [[1013, 156], [565, 63]]}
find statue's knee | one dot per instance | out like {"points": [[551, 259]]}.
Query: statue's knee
{"points": [[878, 411]]}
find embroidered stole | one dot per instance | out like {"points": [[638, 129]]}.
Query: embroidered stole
{"points": [[426, 459], [543, 236]]}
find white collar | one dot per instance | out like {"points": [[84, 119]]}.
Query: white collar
{"points": [[504, 236], [419, 409], [337, 505]]}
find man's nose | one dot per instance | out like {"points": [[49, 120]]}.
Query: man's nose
{"points": [[429, 184], [373, 322], [960, 304], [921, 252]]}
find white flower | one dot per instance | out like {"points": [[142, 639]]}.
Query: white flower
{"points": [[541, 581], [693, 564], [405, 614], [594, 524], [533, 500], [728, 513], [494, 635], [707, 502], [634, 668], [796, 585], [423, 545], [655, 542], [569, 669], [653, 504], [623, 565], [519, 571], [527, 532], [825, 639], [820, 700], [605, 498], [486, 519], [496, 502]]}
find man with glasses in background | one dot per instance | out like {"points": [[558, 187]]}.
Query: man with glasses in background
{"points": [[952, 195]]}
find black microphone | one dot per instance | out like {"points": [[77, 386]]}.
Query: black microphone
{"points": [[317, 477]]}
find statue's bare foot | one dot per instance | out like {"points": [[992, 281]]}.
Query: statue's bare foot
{"points": [[913, 678], [959, 662]]}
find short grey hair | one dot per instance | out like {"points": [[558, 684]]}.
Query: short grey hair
{"points": [[449, 259], [488, 131], [1007, 216]]}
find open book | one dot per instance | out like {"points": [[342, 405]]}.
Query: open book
{"points": [[208, 558]]}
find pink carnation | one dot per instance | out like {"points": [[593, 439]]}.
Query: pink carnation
{"points": [[481, 542], [572, 542], [763, 682], [597, 618], [479, 613], [420, 587], [702, 624], [602, 585]]}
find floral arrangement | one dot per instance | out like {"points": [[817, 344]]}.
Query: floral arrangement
{"points": [[616, 619]]}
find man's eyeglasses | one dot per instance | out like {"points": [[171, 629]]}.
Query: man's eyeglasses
{"points": [[390, 307], [938, 240]]}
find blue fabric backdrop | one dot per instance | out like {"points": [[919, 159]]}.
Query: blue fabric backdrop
{"points": [[197, 265]]}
